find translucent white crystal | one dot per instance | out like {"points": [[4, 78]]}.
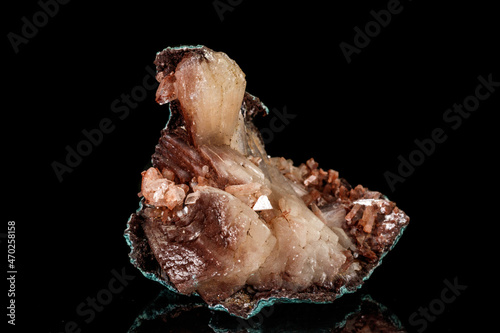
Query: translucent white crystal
{"points": [[262, 203], [213, 84]]}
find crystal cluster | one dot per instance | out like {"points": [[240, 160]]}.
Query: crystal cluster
{"points": [[221, 219]]}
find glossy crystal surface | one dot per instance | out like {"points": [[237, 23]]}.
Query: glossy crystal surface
{"points": [[221, 219]]}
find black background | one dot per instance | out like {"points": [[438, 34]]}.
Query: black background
{"points": [[355, 117]]}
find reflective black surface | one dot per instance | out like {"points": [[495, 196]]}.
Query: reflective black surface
{"points": [[354, 313]]}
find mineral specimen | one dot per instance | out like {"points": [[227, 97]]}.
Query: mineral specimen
{"points": [[221, 219]]}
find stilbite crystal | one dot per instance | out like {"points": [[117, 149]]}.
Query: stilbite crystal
{"points": [[222, 219]]}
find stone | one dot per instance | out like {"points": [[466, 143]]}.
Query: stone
{"points": [[221, 219]]}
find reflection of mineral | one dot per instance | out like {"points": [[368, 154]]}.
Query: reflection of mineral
{"points": [[359, 314], [222, 219], [371, 317]]}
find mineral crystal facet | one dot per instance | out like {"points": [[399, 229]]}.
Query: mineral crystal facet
{"points": [[221, 219]]}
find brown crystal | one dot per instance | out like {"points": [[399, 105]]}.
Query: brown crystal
{"points": [[221, 217]]}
